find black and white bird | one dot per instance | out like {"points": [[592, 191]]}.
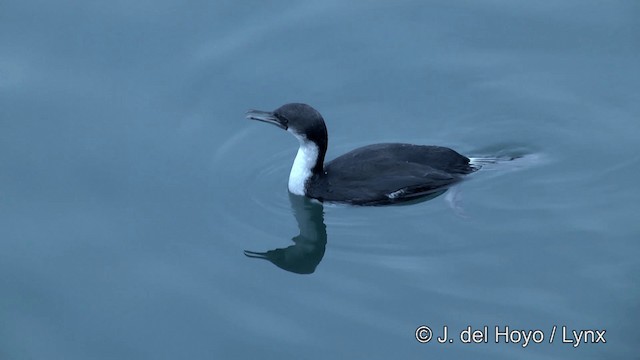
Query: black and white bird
{"points": [[376, 174]]}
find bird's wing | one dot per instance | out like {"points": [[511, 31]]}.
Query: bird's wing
{"points": [[388, 184]]}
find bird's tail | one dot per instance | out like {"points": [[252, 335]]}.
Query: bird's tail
{"points": [[478, 162], [496, 162]]}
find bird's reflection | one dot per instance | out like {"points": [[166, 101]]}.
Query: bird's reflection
{"points": [[308, 249]]}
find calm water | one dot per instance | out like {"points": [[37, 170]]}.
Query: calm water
{"points": [[131, 184]]}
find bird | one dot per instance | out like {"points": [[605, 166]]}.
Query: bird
{"points": [[377, 174]]}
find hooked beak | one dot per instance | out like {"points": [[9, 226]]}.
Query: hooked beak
{"points": [[266, 116]]}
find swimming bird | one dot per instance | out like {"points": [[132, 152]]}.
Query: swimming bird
{"points": [[377, 174]]}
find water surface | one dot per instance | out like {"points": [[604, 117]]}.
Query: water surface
{"points": [[131, 184]]}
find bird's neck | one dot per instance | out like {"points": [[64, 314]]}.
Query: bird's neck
{"points": [[308, 162]]}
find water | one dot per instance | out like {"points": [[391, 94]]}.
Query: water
{"points": [[131, 184]]}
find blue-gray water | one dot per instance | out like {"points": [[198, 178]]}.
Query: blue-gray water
{"points": [[130, 182]]}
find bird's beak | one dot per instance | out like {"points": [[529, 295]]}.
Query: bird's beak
{"points": [[256, 255], [266, 116]]}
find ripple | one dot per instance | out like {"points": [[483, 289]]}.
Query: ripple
{"points": [[256, 198], [262, 206]]}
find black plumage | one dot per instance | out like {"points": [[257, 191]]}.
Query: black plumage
{"points": [[388, 173]]}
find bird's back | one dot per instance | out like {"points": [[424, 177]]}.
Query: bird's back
{"points": [[387, 173]]}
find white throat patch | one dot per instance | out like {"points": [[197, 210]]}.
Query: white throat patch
{"points": [[305, 161]]}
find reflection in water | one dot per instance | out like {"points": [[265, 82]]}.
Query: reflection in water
{"points": [[308, 249]]}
